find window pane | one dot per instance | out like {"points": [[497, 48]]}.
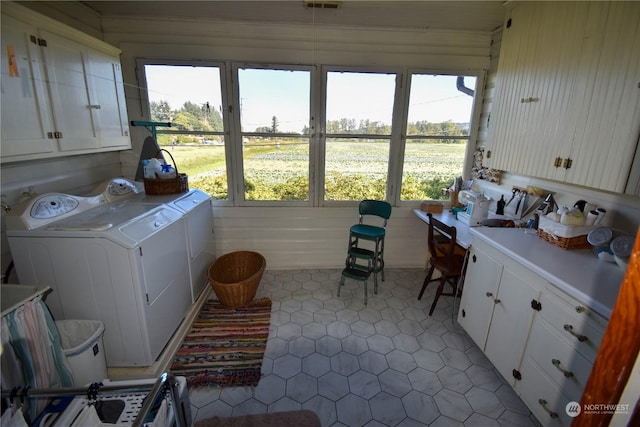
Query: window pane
{"points": [[276, 168], [358, 104], [272, 102], [356, 169], [190, 98], [438, 124]]}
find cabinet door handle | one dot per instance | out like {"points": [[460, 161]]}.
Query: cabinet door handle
{"points": [[543, 403], [557, 363], [581, 338], [580, 309], [495, 300], [95, 106]]}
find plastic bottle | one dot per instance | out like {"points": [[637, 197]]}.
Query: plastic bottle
{"points": [[148, 171], [156, 166]]}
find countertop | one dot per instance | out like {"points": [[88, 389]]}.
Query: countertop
{"points": [[463, 236], [577, 272], [593, 282]]}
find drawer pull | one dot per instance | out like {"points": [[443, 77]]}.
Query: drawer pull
{"points": [[557, 363], [489, 295], [569, 329], [580, 309], [543, 403]]}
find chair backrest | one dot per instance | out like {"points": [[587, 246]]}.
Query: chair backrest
{"points": [[442, 243], [377, 208]]}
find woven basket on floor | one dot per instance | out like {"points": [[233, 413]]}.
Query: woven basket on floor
{"points": [[235, 277]]}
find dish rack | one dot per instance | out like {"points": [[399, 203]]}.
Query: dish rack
{"points": [[128, 403]]}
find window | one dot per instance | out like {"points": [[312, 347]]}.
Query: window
{"points": [[359, 112], [190, 98], [437, 132], [246, 134], [274, 120]]}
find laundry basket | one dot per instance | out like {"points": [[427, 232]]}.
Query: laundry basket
{"points": [[235, 277], [81, 342]]}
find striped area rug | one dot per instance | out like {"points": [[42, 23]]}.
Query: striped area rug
{"points": [[225, 346]]}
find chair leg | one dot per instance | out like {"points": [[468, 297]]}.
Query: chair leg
{"points": [[365, 292], [438, 293], [426, 281], [375, 283]]}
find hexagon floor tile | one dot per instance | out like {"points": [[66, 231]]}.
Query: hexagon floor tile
{"points": [[386, 363]]}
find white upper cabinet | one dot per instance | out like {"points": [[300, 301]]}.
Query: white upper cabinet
{"points": [[26, 111], [67, 96], [66, 65], [567, 104]]}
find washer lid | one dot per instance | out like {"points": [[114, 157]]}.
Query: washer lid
{"points": [[47, 208], [103, 217]]}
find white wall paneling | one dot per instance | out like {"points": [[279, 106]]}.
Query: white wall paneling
{"points": [[304, 237]]}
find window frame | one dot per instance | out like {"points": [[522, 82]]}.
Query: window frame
{"points": [[226, 117], [394, 137], [236, 135], [474, 119], [317, 119]]}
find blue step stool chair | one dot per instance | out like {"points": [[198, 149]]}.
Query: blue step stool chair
{"points": [[363, 259]]}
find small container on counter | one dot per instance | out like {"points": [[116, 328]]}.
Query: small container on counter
{"points": [[601, 213], [592, 218], [599, 239]]}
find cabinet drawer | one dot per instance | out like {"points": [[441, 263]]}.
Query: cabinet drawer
{"points": [[542, 396], [576, 324], [566, 368]]}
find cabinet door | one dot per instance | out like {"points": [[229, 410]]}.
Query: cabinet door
{"points": [[609, 122], [510, 324], [538, 62], [107, 100], [477, 302], [66, 63], [26, 112]]}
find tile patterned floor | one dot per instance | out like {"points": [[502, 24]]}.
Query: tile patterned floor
{"points": [[384, 364]]}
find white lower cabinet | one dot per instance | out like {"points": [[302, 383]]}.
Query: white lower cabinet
{"points": [[512, 317], [542, 341], [496, 307], [560, 352]]}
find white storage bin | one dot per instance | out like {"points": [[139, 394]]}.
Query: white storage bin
{"points": [[81, 342]]}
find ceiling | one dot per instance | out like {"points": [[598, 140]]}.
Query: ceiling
{"points": [[422, 14]]}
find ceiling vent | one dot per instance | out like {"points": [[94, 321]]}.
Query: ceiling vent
{"points": [[311, 4]]}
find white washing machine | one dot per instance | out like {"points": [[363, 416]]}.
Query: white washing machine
{"points": [[111, 259]]}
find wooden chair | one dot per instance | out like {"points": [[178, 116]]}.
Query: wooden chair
{"points": [[444, 257]]}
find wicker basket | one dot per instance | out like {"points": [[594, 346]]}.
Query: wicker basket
{"points": [[577, 242], [160, 186], [564, 236], [235, 277]]}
